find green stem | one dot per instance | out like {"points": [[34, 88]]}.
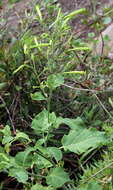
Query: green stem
{"points": [[48, 109], [49, 104]]}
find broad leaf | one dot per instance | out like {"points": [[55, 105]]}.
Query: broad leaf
{"points": [[22, 135], [57, 177], [41, 162], [37, 96], [82, 140], [4, 161], [6, 131], [40, 187], [7, 139], [19, 173], [76, 124], [24, 158], [43, 121], [55, 153], [54, 81]]}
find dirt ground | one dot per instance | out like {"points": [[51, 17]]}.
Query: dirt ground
{"points": [[90, 5], [11, 16]]}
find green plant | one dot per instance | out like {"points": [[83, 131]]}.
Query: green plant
{"points": [[35, 71]]}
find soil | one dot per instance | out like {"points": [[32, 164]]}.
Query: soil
{"points": [[12, 15], [93, 7]]}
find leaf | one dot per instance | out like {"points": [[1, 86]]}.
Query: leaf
{"points": [[4, 161], [20, 174], [57, 177], [20, 68], [39, 12], [82, 140], [107, 20], [37, 96], [40, 187], [91, 34], [55, 153], [3, 85], [41, 162], [54, 81], [74, 13], [24, 158], [3, 157], [59, 121], [40, 122], [76, 124], [6, 131], [91, 186], [7, 147], [111, 102], [80, 49], [7, 139], [43, 121], [22, 135], [75, 72]]}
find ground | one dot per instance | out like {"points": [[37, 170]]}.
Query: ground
{"points": [[12, 15]]}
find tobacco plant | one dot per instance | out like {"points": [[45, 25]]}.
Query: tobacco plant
{"points": [[38, 66]]}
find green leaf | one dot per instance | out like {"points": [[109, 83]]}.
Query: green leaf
{"points": [[59, 121], [7, 139], [76, 124], [6, 131], [91, 186], [111, 102], [74, 13], [20, 174], [24, 158], [55, 153], [57, 177], [39, 13], [91, 34], [22, 135], [76, 72], [37, 96], [41, 162], [20, 68], [3, 157], [4, 161], [3, 85], [40, 187], [54, 81], [82, 140], [107, 20], [41, 123]]}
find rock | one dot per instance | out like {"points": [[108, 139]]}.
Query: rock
{"points": [[104, 47]]}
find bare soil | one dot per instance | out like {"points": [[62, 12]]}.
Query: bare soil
{"points": [[12, 15]]}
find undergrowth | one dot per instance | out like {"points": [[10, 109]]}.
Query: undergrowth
{"points": [[56, 108]]}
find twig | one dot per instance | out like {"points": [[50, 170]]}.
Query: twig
{"points": [[93, 91], [7, 110], [102, 40], [88, 90], [81, 89], [102, 105]]}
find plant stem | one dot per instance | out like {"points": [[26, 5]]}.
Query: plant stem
{"points": [[49, 104]]}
